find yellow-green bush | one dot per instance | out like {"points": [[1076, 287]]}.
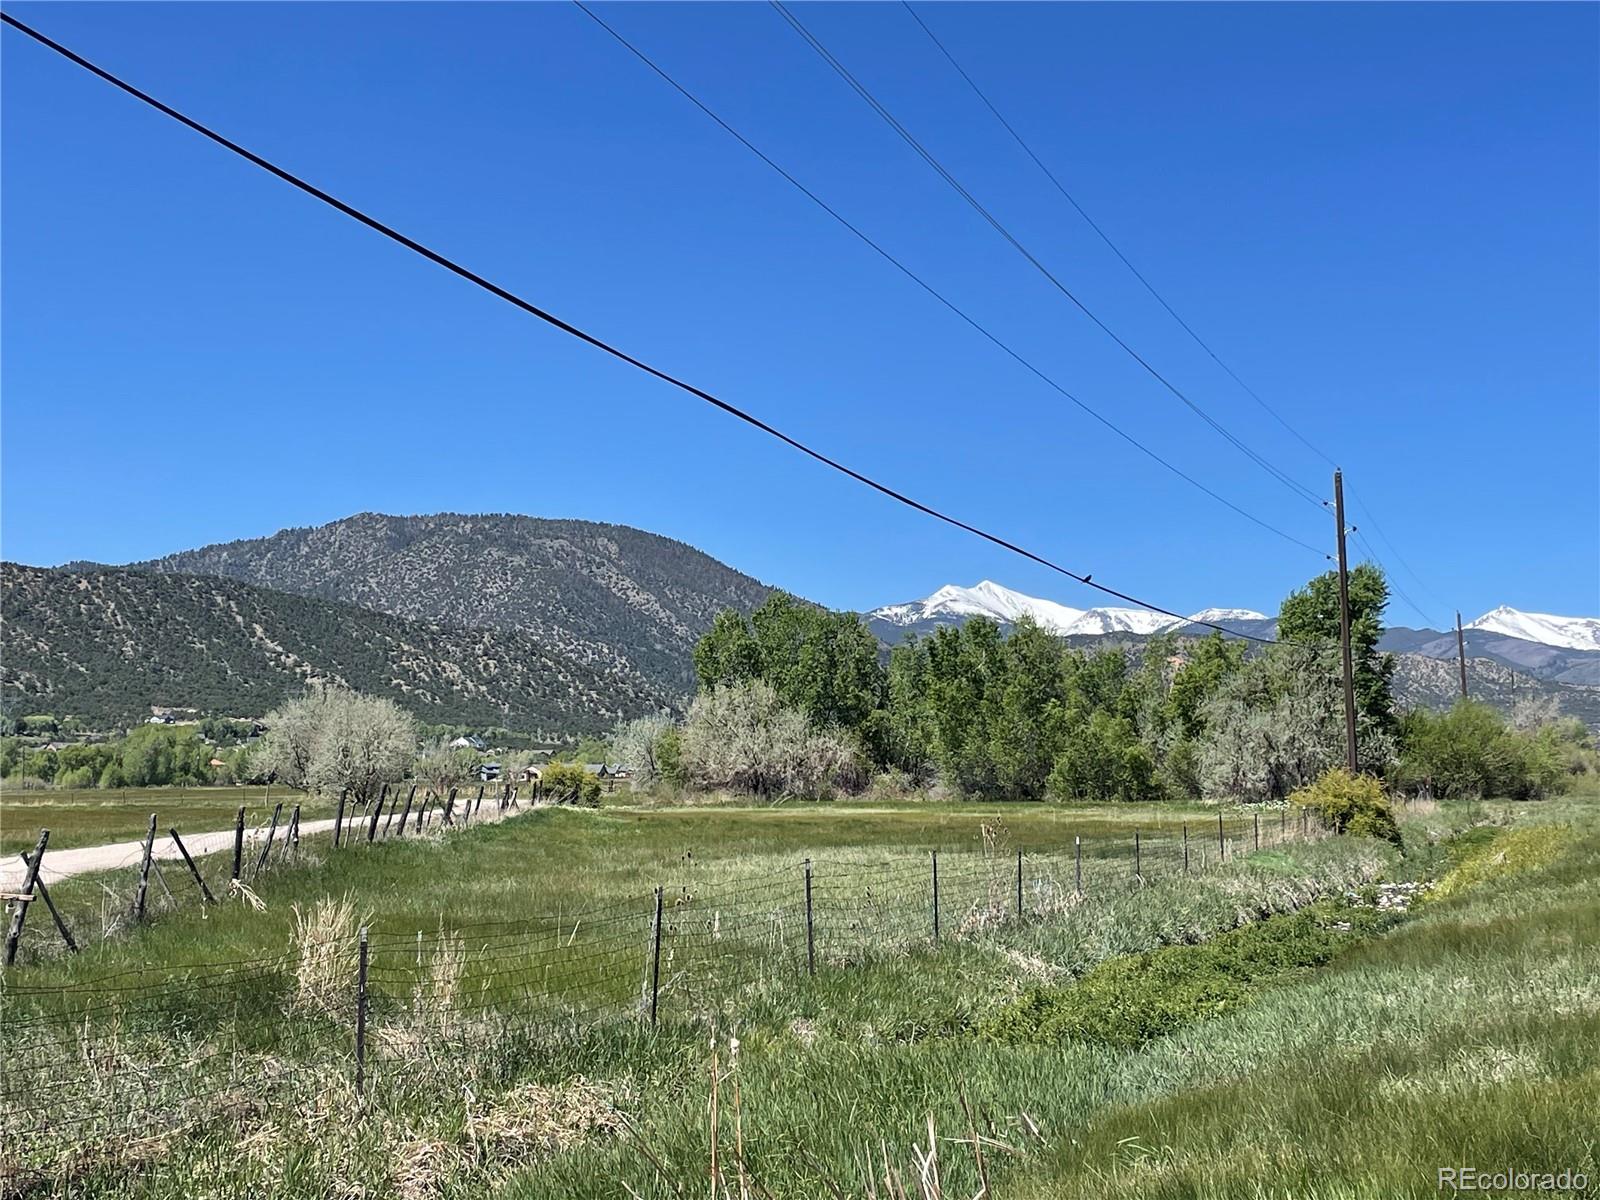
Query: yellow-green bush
{"points": [[569, 783], [1353, 804], [1511, 852]]}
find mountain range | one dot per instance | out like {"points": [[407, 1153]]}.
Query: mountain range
{"points": [[547, 626]]}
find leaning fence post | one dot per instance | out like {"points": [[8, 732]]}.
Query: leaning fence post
{"points": [[144, 871], [293, 835], [935, 895], [338, 820], [20, 912], [272, 832], [1077, 864], [406, 815], [449, 807], [238, 843], [372, 826], [361, 1012], [205, 892], [655, 957], [811, 933], [1019, 885], [55, 915]]}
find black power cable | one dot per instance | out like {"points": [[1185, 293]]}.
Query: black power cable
{"points": [[929, 288], [566, 327], [939, 169]]}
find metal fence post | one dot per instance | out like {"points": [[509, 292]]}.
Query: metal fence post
{"points": [[361, 1013], [1222, 840], [655, 958], [266, 846], [811, 933], [205, 892], [238, 842], [1019, 885], [936, 895]]}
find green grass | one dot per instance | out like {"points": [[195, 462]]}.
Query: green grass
{"points": [[1339, 1066], [93, 817]]}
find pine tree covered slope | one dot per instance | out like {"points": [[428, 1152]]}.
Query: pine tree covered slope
{"points": [[618, 599], [104, 645]]}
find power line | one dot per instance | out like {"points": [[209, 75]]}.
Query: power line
{"points": [[930, 289], [566, 327], [939, 169], [1151, 288], [1106, 238]]}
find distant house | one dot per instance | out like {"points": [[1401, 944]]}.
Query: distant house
{"points": [[470, 742], [606, 770], [528, 775], [163, 719], [489, 772]]}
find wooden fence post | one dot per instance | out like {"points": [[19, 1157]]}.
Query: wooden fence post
{"points": [[655, 957], [1283, 823], [449, 806], [361, 1013], [19, 912], [338, 820], [372, 826], [292, 837], [1186, 848], [266, 846], [811, 935], [406, 815], [238, 843], [936, 895], [144, 871], [205, 892], [1138, 874], [1077, 865], [1222, 842], [44, 894]]}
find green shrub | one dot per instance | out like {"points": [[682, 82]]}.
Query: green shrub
{"points": [[569, 783], [1506, 852], [1352, 804], [1129, 1001]]}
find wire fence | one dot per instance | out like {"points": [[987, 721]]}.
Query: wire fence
{"points": [[101, 1067]]}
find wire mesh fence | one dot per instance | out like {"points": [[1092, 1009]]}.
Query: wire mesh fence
{"points": [[148, 1053]]}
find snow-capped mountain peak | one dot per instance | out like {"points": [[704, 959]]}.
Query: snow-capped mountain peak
{"points": [[1119, 620], [1570, 633], [1221, 616], [985, 599]]}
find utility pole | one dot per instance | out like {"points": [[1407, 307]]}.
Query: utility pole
{"points": [[1461, 655], [1344, 627]]}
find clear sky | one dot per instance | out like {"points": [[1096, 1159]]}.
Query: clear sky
{"points": [[1384, 217]]}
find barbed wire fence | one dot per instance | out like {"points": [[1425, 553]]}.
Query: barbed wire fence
{"points": [[94, 1071]]}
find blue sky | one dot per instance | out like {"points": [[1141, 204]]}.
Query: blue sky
{"points": [[1384, 217]]}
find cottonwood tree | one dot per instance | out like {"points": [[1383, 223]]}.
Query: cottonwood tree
{"points": [[333, 739]]}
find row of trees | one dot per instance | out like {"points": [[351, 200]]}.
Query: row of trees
{"points": [[801, 700]]}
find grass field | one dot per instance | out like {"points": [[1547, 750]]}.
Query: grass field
{"points": [[94, 816], [1212, 1044]]}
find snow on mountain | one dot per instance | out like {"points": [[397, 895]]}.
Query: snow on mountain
{"points": [[1221, 616], [1119, 620], [952, 604], [1571, 633], [987, 599]]}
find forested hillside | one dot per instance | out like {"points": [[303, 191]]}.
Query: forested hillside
{"points": [[105, 645], [621, 600]]}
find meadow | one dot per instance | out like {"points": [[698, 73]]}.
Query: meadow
{"points": [[95, 816], [1255, 1025]]}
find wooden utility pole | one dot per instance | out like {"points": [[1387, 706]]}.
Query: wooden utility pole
{"points": [[1344, 628], [1461, 655]]}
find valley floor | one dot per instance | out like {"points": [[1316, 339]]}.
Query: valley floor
{"points": [[1286, 1022]]}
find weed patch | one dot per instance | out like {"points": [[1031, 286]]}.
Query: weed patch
{"points": [[1131, 1000]]}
